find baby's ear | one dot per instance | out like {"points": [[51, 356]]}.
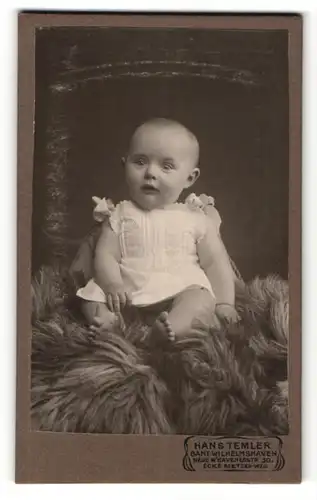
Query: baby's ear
{"points": [[193, 176]]}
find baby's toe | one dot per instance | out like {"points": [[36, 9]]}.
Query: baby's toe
{"points": [[163, 317], [171, 335]]}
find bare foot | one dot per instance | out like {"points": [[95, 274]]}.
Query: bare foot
{"points": [[162, 330]]}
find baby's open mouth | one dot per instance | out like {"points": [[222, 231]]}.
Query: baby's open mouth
{"points": [[149, 188]]}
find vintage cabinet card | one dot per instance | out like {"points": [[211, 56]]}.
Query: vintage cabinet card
{"points": [[159, 177]]}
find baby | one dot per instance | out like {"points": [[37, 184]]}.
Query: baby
{"points": [[155, 253]]}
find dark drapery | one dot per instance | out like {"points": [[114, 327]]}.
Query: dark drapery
{"points": [[94, 85]]}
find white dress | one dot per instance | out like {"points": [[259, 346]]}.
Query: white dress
{"points": [[158, 250]]}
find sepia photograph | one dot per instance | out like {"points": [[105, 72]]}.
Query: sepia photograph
{"points": [[160, 242], [160, 235]]}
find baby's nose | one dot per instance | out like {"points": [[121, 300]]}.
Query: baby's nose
{"points": [[151, 171]]}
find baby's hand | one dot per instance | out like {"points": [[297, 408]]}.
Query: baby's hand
{"points": [[116, 297], [227, 313]]}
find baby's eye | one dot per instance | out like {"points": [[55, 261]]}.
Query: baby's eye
{"points": [[139, 161], [167, 165]]}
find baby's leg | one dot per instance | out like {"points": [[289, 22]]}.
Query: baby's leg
{"points": [[194, 306], [97, 314]]}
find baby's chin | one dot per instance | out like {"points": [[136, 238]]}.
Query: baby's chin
{"points": [[149, 204], [152, 202]]}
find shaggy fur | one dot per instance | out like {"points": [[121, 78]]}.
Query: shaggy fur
{"points": [[229, 381]]}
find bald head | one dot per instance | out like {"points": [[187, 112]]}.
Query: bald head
{"points": [[161, 163], [174, 129]]}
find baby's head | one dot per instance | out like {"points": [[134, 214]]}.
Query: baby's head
{"points": [[161, 162]]}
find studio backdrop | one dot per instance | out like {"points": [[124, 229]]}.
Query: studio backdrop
{"points": [[95, 85]]}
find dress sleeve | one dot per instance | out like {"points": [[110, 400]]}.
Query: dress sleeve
{"points": [[115, 219], [200, 226], [105, 210], [211, 215]]}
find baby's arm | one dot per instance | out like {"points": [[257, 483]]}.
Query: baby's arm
{"points": [[107, 270], [215, 262]]}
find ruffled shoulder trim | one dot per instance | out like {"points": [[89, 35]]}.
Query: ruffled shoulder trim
{"points": [[106, 210], [103, 208], [199, 202], [206, 205]]}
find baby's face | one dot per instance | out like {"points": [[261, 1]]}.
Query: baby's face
{"points": [[160, 164]]}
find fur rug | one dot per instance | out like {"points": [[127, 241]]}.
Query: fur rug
{"points": [[231, 381]]}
